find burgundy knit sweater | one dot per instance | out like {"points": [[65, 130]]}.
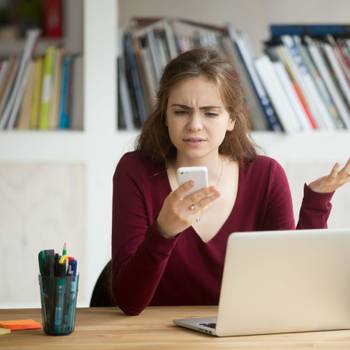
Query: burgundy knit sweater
{"points": [[151, 270]]}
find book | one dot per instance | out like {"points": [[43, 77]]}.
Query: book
{"points": [[23, 120], [53, 18], [125, 118], [319, 110], [300, 89], [319, 83], [65, 105], [255, 112], [56, 89], [12, 104], [134, 81], [36, 99], [247, 59], [338, 72], [277, 94], [77, 94], [189, 35], [291, 93], [317, 29], [316, 54], [4, 69], [146, 71], [8, 82], [46, 89]]}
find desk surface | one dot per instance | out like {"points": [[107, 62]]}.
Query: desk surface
{"points": [[109, 328]]}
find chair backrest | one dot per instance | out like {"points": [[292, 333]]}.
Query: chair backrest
{"points": [[102, 293]]}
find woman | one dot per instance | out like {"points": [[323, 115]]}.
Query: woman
{"points": [[168, 247]]}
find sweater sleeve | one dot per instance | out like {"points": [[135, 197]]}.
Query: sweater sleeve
{"points": [[314, 210], [279, 208], [139, 253]]}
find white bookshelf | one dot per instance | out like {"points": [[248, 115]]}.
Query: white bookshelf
{"points": [[76, 146], [316, 146], [100, 146]]}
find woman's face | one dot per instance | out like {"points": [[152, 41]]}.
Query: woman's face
{"points": [[196, 118]]}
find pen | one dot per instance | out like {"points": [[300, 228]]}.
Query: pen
{"points": [[64, 251], [42, 262], [63, 259], [60, 282], [72, 270]]}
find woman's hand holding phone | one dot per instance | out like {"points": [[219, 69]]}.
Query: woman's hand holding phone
{"points": [[181, 209]]}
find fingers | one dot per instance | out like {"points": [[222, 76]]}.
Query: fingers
{"points": [[335, 170], [346, 168], [345, 171], [206, 202], [200, 194], [181, 191], [201, 199]]}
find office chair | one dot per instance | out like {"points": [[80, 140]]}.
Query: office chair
{"points": [[102, 293]]}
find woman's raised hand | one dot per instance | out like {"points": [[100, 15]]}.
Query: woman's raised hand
{"points": [[180, 210], [335, 179]]}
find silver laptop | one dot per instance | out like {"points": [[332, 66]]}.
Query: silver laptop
{"points": [[282, 281]]}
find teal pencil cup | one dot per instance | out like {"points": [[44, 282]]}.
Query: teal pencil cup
{"points": [[58, 303]]}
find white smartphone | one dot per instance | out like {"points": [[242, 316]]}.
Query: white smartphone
{"points": [[198, 174]]}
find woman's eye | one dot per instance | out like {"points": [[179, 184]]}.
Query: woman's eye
{"points": [[211, 115], [180, 112]]}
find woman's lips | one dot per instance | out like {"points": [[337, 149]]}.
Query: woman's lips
{"points": [[193, 141]]}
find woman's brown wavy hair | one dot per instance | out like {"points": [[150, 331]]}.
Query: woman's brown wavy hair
{"points": [[154, 142]]}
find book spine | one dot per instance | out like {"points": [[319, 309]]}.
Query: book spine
{"points": [[56, 85], [338, 71], [324, 120], [255, 112], [53, 18], [277, 30], [319, 83], [293, 98], [277, 94], [325, 74], [298, 83], [134, 80], [264, 100], [63, 110], [46, 92], [23, 121], [34, 116], [17, 91]]}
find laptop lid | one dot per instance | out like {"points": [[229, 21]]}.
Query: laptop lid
{"points": [[285, 281]]}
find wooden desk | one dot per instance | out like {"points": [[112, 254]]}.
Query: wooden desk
{"points": [[109, 328]]}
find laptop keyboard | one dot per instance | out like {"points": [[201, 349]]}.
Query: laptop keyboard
{"points": [[210, 325]]}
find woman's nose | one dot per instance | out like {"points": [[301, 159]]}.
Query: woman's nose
{"points": [[195, 122]]}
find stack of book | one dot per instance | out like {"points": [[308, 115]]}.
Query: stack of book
{"points": [[300, 84], [41, 91], [149, 45], [306, 72]]}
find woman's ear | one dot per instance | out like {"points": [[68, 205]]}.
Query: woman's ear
{"points": [[231, 124]]}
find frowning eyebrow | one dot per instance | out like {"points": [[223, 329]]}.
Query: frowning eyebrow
{"points": [[190, 108]]}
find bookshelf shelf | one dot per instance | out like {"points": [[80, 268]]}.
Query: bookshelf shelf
{"points": [[315, 146], [36, 146], [75, 146]]}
